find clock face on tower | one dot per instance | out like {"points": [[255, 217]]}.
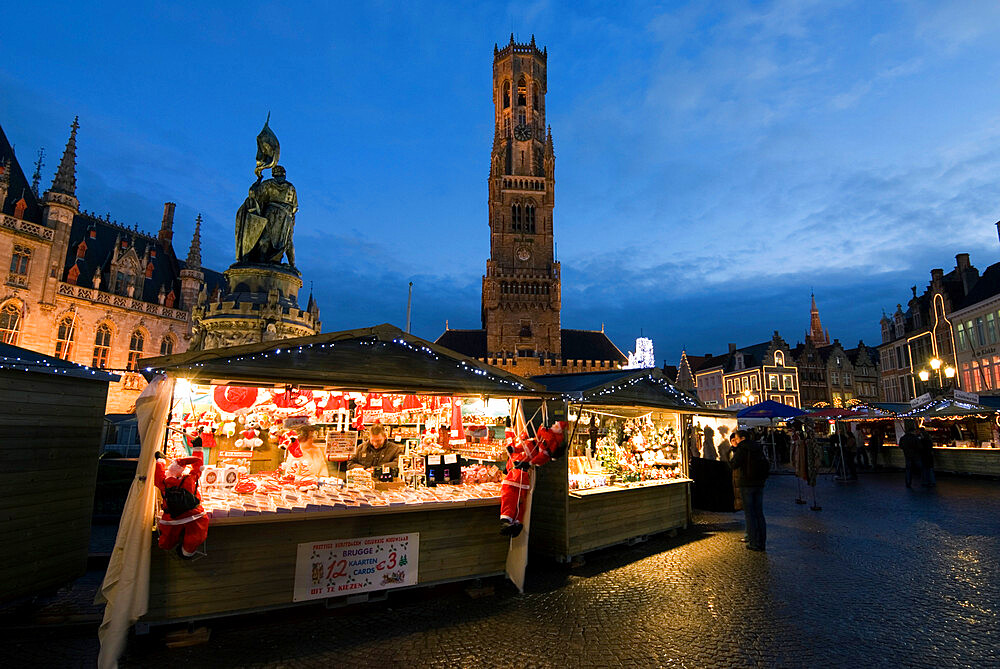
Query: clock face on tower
{"points": [[522, 132], [523, 253]]}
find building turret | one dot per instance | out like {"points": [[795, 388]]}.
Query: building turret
{"points": [[817, 335], [59, 206], [166, 234], [192, 277]]}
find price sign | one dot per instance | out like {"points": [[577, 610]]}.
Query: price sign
{"points": [[341, 445], [345, 566]]}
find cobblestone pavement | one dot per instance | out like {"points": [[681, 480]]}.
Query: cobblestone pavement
{"points": [[882, 576]]}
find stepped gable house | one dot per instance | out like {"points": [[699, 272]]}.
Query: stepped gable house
{"points": [[87, 289]]}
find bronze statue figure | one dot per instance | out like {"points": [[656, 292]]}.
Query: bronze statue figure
{"points": [[266, 219]]}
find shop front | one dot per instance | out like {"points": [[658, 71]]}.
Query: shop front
{"points": [[963, 428], [298, 501], [626, 474]]}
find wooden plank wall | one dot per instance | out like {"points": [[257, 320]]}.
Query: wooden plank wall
{"points": [[600, 520], [958, 460], [549, 506], [50, 433], [252, 565]]}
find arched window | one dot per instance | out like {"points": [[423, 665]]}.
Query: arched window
{"points": [[779, 358], [534, 97], [102, 346], [515, 216], [506, 94], [64, 338], [503, 287], [522, 93], [135, 349], [167, 346], [530, 218], [10, 322]]}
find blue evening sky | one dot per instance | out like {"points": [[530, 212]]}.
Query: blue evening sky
{"points": [[714, 160]]}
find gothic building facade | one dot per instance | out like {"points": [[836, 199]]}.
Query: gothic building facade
{"points": [[87, 289], [522, 287]]}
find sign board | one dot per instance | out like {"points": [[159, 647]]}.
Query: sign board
{"points": [[923, 399], [348, 566], [247, 455], [341, 445], [962, 396]]}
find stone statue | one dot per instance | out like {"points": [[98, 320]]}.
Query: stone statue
{"points": [[266, 219]]}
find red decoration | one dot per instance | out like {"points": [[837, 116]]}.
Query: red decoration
{"points": [[230, 399]]}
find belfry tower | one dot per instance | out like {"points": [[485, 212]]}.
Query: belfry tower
{"points": [[521, 287]]}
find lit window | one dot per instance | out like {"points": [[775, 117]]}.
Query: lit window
{"points": [[522, 93], [20, 260], [135, 349], [506, 94], [64, 338], [166, 346], [10, 323], [779, 358], [102, 347]]}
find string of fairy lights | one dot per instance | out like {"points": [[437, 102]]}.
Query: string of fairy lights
{"points": [[25, 364], [281, 351]]}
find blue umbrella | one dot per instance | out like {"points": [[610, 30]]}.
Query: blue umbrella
{"points": [[770, 409]]}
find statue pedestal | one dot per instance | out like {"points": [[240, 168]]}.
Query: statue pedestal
{"points": [[260, 305]]}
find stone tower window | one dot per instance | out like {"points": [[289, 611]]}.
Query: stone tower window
{"points": [[529, 218], [525, 328], [506, 95], [167, 346], [135, 349], [522, 93], [10, 322], [515, 217], [534, 97], [64, 338], [102, 346]]}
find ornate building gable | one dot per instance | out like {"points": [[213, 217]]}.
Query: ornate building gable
{"points": [[15, 187]]}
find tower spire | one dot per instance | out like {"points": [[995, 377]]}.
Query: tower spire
{"points": [[816, 333], [194, 255], [65, 179]]}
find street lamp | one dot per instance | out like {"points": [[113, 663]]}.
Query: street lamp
{"points": [[936, 364], [746, 397]]}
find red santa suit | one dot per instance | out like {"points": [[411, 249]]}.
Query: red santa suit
{"points": [[183, 524], [525, 454]]}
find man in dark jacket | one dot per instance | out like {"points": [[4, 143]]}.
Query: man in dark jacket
{"points": [[750, 468], [910, 445], [375, 451]]}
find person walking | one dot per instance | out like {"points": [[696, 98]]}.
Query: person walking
{"points": [[910, 445], [926, 449], [850, 455], [750, 469]]}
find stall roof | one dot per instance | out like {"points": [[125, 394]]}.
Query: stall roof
{"points": [[622, 387], [948, 407], [382, 358], [23, 360]]}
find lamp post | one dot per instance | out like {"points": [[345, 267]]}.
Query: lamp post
{"points": [[943, 372]]}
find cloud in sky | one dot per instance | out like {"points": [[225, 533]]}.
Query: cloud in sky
{"points": [[712, 159]]}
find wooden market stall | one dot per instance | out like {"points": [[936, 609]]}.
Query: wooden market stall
{"points": [[280, 544], [625, 476], [50, 440], [963, 428]]}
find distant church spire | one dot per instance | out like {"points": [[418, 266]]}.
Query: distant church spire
{"points": [[816, 335], [65, 180], [194, 255]]}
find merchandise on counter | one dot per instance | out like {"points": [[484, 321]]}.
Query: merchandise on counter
{"points": [[633, 452], [360, 478]]}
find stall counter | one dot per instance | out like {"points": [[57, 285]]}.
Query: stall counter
{"points": [[250, 562], [981, 461]]}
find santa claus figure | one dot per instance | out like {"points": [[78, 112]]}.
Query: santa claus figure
{"points": [[524, 453], [183, 524]]}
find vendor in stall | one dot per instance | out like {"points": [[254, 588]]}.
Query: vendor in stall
{"points": [[310, 456], [374, 451]]}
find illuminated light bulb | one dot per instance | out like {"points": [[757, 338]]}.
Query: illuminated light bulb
{"points": [[924, 375], [949, 372], [935, 364]]}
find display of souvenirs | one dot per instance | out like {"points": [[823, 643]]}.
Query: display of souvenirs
{"points": [[360, 478], [632, 452], [263, 494]]}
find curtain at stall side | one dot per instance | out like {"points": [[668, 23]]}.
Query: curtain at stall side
{"points": [[126, 585], [517, 554]]}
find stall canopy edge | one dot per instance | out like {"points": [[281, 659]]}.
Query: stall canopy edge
{"points": [[624, 387], [381, 358]]}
